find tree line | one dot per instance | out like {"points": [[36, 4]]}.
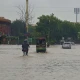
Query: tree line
{"points": [[48, 26]]}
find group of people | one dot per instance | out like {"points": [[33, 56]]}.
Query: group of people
{"points": [[25, 47]]}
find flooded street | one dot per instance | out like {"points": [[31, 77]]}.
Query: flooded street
{"points": [[56, 64]]}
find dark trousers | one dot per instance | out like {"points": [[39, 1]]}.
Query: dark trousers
{"points": [[25, 51]]}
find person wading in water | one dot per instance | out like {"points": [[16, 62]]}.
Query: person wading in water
{"points": [[25, 47]]}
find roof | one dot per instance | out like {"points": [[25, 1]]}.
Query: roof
{"points": [[2, 19]]}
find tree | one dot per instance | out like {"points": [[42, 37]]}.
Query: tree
{"points": [[22, 13], [18, 28], [54, 29], [48, 26], [69, 30]]}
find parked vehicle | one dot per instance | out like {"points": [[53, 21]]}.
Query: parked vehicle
{"points": [[41, 44], [66, 45]]}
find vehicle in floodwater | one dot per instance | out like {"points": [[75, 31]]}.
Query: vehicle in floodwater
{"points": [[41, 44]]}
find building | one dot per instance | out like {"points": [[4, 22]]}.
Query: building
{"points": [[5, 29], [5, 26]]}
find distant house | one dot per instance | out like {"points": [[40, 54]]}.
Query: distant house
{"points": [[5, 26], [5, 29]]}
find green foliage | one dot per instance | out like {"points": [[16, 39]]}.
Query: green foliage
{"points": [[18, 28], [79, 35], [54, 29], [48, 26], [68, 30], [11, 37]]}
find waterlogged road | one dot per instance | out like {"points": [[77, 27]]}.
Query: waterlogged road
{"points": [[56, 64]]}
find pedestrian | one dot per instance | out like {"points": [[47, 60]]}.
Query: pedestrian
{"points": [[25, 47]]}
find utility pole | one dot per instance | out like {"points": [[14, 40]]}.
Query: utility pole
{"points": [[27, 16], [76, 11]]}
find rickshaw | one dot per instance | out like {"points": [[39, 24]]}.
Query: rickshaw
{"points": [[41, 44]]}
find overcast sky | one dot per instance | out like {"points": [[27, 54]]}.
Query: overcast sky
{"points": [[63, 9]]}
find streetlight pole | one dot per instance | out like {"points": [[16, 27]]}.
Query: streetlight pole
{"points": [[27, 15], [76, 11], [76, 18]]}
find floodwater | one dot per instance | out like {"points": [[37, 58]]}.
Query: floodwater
{"points": [[56, 64]]}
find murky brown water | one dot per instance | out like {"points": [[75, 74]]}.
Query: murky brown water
{"points": [[56, 64]]}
